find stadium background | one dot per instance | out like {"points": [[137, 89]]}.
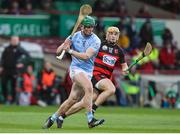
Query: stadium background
{"points": [[43, 25]]}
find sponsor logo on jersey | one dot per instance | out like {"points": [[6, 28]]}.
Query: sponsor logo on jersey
{"points": [[110, 50], [109, 60], [96, 46], [116, 51], [84, 43], [104, 47]]}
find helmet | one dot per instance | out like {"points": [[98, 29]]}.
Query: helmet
{"points": [[88, 21], [113, 29]]}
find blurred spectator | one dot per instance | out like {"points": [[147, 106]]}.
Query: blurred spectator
{"points": [[174, 6], [46, 5], [127, 88], [132, 33], [10, 67], [119, 6], [28, 9], [24, 6], [154, 56], [172, 97], [100, 28], [131, 27], [152, 94], [120, 93], [178, 59], [146, 33], [27, 84], [47, 89], [167, 35], [168, 5], [14, 9], [144, 12], [100, 6], [124, 39], [122, 24], [167, 56], [6, 5], [131, 86], [65, 87], [149, 63]]}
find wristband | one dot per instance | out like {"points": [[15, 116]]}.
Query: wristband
{"points": [[70, 38], [70, 51]]}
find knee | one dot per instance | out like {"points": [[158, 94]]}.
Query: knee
{"points": [[111, 90], [88, 88]]}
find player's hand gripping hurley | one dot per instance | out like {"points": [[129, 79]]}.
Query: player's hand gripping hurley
{"points": [[145, 53], [84, 11]]}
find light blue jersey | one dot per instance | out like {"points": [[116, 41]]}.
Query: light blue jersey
{"points": [[80, 44]]}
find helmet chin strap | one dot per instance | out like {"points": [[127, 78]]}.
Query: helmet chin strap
{"points": [[86, 35]]}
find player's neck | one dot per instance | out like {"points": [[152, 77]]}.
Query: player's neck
{"points": [[85, 35], [111, 43]]}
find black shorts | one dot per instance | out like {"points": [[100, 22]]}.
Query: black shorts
{"points": [[97, 78]]}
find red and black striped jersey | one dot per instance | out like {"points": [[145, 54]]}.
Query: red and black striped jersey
{"points": [[107, 58]]}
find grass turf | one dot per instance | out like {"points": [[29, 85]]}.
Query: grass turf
{"points": [[30, 119]]}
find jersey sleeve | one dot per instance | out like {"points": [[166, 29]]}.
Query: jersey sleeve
{"points": [[121, 56], [73, 37], [69, 37], [96, 45]]}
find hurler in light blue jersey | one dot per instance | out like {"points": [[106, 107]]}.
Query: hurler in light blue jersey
{"points": [[83, 46], [81, 43]]}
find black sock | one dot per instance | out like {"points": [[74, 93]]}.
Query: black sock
{"points": [[94, 107], [63, 115]]}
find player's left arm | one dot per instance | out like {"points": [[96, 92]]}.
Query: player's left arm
{"points": [[124, 68], [124, 65], [83, 56], [92, 50]]}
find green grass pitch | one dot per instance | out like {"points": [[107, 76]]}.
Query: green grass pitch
{"points": [[30, 119]]}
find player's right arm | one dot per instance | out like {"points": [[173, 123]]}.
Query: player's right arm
{"points": [[65, 45], [92, 50]]}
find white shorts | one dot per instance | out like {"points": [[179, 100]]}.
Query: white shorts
{"points": [[74, 71], [97, 84]]}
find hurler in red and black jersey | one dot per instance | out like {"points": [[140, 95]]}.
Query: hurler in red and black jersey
{"points": [[108, 56]]}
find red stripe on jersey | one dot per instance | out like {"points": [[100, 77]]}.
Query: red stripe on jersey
{"points": [[98, 69], [96, 73]]}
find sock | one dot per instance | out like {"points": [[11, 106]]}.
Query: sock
{"points": [[54, 117], [61, 118], [63, 115], [89, 116], [94, 107]]}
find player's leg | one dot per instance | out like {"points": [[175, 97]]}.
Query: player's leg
{"points": [[79, 105], [5, 81], [107, 88], [83, 80], [74, 109], [75, 96], [92, 122]]}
